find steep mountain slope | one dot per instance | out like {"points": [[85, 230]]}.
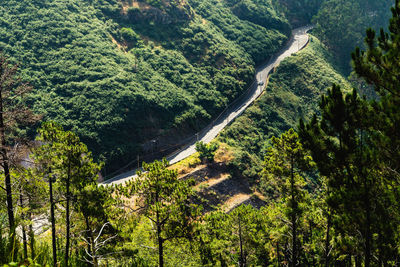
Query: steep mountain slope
{"points": [[249, 26], [120, 73], [293, 92], [341, 24]]}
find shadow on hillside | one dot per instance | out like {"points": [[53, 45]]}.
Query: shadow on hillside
{"points": [[216, 187]]}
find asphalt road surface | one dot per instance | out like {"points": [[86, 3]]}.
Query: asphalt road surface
{"points": [[298, 41]]}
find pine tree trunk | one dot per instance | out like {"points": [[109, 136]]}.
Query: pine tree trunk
{"points": [[67, 214], [5, 163], [31, 234], [31, 239], [368, 238], [160, 239], [160, 247], [53, 222], [95, 261], [24, 241]]}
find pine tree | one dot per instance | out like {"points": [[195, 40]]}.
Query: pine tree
{"points": [[379, 66], [235, 238], [206, 151], [72, 165], [341, 144], [213, 238], [165, 200], [284, 166]]}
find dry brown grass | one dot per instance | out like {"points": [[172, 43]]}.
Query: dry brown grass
{"points": [[224, 154], [136, 4], [235, 201], [119, 45]]}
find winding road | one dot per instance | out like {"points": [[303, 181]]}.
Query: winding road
{"points": [[298, 41]]}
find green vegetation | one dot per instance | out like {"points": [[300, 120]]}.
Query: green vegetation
{"points": [[332, 189], [120, 75], [285, 167], [164, 200], [15, 116], [341, 24], [206, 151], [63, 179], [257, 27], [300, 12], [69, 160], [293, 92]]}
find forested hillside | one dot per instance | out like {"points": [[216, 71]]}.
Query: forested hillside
{"points": [[322, 158], [341, 24], [120, 73], [293, 92]]}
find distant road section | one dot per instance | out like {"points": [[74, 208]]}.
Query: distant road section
{"points": [[298, 41]]}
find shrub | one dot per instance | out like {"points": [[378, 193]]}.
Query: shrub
{"points": [[206, 151]]}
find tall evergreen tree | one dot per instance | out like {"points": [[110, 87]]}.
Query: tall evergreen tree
{"points": [[165, 200], [379, 66], [71, 163], [341, 144], [284, 166], [14, 114]]}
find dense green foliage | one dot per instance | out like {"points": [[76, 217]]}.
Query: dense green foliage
{"points": [[254, 21], [293, 92], [165, 201], [345, 213], [206, 151], [78, 203], [118, 76], [300, 12], [285, 166], [341, 24], [122, 73]]}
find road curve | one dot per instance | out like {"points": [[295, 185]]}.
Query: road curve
{"points": [[298, 41]]}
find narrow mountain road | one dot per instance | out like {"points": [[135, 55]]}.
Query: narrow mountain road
{"points": [[298, 41]]}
